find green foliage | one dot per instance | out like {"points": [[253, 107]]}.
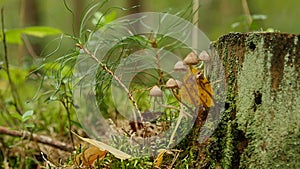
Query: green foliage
{"points": [[243, 25], [228, 148], [23, 118], [14, 36], [100, 19], [110, 162]]}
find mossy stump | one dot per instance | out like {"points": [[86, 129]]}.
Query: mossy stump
{"points": [[261, 125]]}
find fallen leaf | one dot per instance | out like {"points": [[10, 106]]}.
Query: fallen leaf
{"points": [[104, 147], [196, 89], [88, 156], [159, 158]]}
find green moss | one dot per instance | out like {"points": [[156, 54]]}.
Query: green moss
{"points": [[262, 70], [274, 123], [229, 148]]}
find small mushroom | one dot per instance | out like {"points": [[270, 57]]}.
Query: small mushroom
{"points": [[191, 59], [172, 84], [157, 96], [156, 92], [179, 66], [204, 56], [179, 83]]}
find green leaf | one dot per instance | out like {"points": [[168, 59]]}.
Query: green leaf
{"points": [[27, 115], [259, 17], [17, 116], [17, 75], [41, 31], [14, 35], [100, 20], [30, 125]]}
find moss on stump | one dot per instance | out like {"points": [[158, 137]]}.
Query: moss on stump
{"points": [[261, 125]]}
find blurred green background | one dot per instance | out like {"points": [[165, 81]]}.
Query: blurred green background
{"points": [[215, 16]]}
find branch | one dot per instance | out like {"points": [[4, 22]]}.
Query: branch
{"points": [[39, 138]]}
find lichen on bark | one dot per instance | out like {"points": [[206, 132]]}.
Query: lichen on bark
{"points": [[262, 71]]}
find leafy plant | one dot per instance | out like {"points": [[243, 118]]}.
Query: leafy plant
{"points": [[14, 36], [255, 24], [24, 118]]}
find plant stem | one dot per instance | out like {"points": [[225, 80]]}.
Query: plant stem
{"points": [[66, 103], [195, 22], [104, 67], [247, 12], [17, 104]]}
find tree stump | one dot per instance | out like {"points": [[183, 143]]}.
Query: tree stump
{"points": [[261, 125]]}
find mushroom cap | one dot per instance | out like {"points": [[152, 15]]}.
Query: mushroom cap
{"points": [[171, 83], [179, 83], [179, 66], [155, 92], [191, 59], [204, 56]]}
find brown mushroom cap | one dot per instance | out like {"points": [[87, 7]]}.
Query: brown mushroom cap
{"points": [[191, 59], [156, 92], [179, 66], [179, 83], [171, 83], [204, 56]]}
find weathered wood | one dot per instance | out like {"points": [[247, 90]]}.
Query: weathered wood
{"points": [[38, 138], [261, 126]]}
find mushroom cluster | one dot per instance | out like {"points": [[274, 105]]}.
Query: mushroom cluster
{"points": [[192, 58], [189, 61]]}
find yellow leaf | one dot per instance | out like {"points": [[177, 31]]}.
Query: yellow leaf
{"points": [[196, 89], [88, 156], [104, 147], [205, 91], [159, 158]]}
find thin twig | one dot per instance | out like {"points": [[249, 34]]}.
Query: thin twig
{"points": [[104, 67], [247, 11], [195, 22], [66, 106], [174, 160], [17, 104], [29, 47], [39, 138]]}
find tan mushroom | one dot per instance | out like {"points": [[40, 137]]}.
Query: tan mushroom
{"points": [[157, 96], [179, 83], [179, 66], [204, 56], [191, 59], [172, 84], [156, 92]]}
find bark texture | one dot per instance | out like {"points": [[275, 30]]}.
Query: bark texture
{"points": [[261, 125]]}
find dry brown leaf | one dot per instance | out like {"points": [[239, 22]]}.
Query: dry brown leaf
{"points": [[104, 147], [196, 89], [88, 156], [159, 158]]}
